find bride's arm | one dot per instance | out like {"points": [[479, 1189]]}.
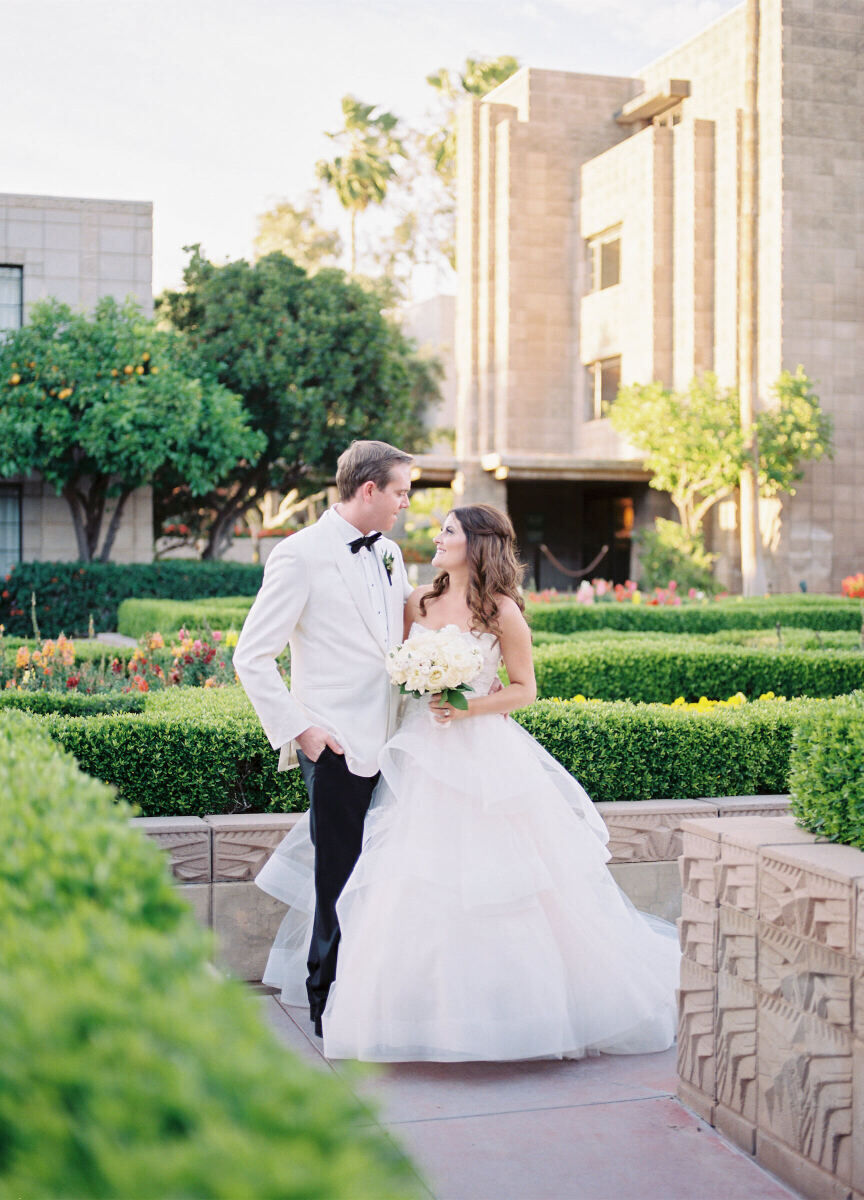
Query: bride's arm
{"points": [[515, 641]]}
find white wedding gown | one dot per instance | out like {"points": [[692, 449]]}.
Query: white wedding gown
{"points": [[480, 922]]}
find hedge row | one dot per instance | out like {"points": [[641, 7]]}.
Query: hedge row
{"points": [[67, 594], [74, 704], [827, 776], [646, 752], [192, 751], [137, 617], [659, 670], [129, 1067], [823, 612], [196, 752]]}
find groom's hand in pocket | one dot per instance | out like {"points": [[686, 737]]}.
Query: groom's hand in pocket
{"points": [[312, 742]]}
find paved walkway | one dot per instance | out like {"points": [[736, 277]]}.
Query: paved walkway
{"points": [[606, 1128]]}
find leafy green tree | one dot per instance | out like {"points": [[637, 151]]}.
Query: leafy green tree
{"points": [[694, 445], [292, 230], [317, 365], [99, 404], [361, 174], [478, 77]]}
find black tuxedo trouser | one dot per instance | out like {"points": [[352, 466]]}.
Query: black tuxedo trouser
{"points": [[338, 802]]}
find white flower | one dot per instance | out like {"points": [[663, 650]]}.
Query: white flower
{"points": [[434, 660]]}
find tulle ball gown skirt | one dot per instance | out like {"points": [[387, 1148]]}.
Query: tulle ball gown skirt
{"points": [[481, 921]]}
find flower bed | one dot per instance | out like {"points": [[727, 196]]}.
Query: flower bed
{"points": [[130, 1068]]}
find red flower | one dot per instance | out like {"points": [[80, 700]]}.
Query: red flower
{"points": [[5, 594], [73, 681]]}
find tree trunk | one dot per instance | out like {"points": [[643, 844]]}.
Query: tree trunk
{"points": [[114, 525], [752, 565], [74, 499]]}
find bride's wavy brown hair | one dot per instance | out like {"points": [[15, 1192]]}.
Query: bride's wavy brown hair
{"points": [[493, 568]]}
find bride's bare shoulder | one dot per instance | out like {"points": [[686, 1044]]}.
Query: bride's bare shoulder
{"points": [[510, 615], [412, 604]]}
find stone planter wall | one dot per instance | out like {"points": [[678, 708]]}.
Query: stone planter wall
{"points": [[215, 860], [771, 1005]]}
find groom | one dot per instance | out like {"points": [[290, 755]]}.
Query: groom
{"points": [[335, 592]]}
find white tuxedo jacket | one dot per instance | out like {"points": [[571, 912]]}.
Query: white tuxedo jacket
{"points": [[313, 598]]}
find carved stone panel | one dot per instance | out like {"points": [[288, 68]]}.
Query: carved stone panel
{"points": [[739, 855], [809, 890], [735, 1045], [808, 976], [697, 928], [186, 841], [858, 1115], [649, 830], [698, 855], [736, 943], [696, 1026], [241, 845], [752, 806], [805, 1084]]}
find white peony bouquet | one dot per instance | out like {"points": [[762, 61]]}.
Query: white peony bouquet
{"points": [[436, 660]]}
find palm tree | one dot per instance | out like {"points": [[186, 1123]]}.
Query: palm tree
{"points": [[360, 176]]}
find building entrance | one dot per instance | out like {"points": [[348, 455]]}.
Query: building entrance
{"points": [[574, 521]]}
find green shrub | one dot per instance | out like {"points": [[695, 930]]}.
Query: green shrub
{"points": [[137, 617], [73, 704], [68, 593], [669, 552], [816, 612], [192, 751], [660, 670], [129, 1068], [624, 751], [827, 775]]}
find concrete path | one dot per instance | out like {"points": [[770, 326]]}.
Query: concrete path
{"points": [[606, 1128]]}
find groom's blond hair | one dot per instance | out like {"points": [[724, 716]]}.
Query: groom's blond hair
{"points": [[366, 461]]}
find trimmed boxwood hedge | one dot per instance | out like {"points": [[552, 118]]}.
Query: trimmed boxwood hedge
{"points": [[76, 704], [137, 617], [816, 612], [827, 771], [68, 593], [192, 751], [195, 752], [624, 751], [661, 669], [129, 1066]]}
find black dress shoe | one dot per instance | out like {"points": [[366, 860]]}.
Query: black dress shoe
{"points": [[316, 1021]]}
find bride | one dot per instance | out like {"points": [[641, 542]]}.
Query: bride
{"points": [[481, 921]]}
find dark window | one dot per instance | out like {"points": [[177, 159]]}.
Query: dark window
{"points": [[11, 297], [605, 260], [10, 526], [604, 382]]}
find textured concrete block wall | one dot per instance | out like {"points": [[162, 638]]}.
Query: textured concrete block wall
{"points": [[771, 1040]]}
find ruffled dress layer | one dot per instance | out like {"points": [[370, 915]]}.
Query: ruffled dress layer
{"points": [[481, 921]]}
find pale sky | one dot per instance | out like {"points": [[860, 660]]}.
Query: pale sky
{"points": [[215, 109]]}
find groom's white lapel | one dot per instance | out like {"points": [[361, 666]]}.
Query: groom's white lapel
{"points": [[353, 579]]}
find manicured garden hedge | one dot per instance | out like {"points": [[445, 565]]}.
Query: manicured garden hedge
{"points": [[647, 752], [137, 617], [661, 669], [827, 775], [195, 752], [68, 593], [192, 751], [129, 1067], [74, 704], [816, 612]]}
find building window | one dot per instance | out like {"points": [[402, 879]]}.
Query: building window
{"points": [[604, 381], [605, 260], [11, 297], [10, 526], [672, 116]]}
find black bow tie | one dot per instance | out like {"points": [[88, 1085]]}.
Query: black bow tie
{"points": [[368, 541]]}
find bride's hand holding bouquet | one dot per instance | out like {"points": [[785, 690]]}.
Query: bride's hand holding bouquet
{"points": [[439, 663]]}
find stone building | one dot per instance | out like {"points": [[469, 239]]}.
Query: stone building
{"points": [[598, 243], [75, 251]]}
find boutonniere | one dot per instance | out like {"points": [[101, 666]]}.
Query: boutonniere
{"points": [[387, 559]]}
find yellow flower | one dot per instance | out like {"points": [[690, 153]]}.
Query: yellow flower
{"points": [[637, 597], [127, 370], [15, 379], [114, 372], [139, 370], [64, 394], [231, 637], [155, 641], [22, 658], [145, 357]]}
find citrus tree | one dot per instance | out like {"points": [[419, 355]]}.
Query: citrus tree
{"points": [[98, 404]]}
